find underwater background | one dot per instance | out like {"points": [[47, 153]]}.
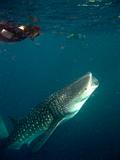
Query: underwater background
{"points": [[77, 36]]}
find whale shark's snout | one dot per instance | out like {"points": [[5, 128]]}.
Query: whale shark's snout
{"points": [[79, 92], [87, 84]]}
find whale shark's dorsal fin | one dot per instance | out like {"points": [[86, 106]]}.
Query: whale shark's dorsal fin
{"points": [[36, 144], [3, 129]]}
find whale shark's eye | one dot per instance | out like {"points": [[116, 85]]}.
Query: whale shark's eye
{"points": [[83, 99]]}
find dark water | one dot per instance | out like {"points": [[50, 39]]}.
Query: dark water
{"points": [[77, 36]]}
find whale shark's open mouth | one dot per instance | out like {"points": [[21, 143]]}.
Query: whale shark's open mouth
{"points": [[91, 83], [86, 85]]}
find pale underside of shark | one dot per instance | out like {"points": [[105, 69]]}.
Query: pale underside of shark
{"points": [[34, 129]]}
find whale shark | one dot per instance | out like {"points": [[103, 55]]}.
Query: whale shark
{"points": [[34, 129]]}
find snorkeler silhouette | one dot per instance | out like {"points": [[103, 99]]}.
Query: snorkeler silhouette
{"points": [[10, 32]]}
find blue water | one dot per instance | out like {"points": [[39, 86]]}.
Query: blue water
{"points": [[76, 37]]}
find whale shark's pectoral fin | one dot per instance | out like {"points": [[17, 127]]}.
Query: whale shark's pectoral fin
{"points": [[36, 144]]}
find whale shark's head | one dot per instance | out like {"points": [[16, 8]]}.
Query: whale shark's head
{"points": [[76, 94]]}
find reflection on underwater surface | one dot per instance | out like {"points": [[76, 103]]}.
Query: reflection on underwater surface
{"points": [[65, 16], [76, 38]]}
